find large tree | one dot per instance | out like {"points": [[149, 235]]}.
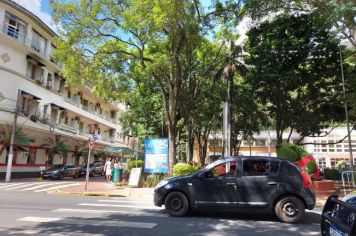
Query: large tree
{"points": [[102, 38], [295, 72], [338, 14]]}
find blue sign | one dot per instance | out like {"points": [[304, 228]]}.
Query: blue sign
{"points": [[156, 155]]}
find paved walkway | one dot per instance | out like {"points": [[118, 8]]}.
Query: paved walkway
{"points": [[102, 188]]}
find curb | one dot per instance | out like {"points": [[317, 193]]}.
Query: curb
{"points": [[106, 194]]}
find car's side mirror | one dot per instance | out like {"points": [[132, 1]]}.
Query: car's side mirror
{"points": [[208, 174]]}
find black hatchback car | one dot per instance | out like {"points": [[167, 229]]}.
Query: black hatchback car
{"points": [[240, 183], [60, 171], [96, 168]]}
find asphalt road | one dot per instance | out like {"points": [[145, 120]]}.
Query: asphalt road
{"points": [[38, 213]]}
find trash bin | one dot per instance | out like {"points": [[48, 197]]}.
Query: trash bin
{"points": [[119, 174], [115, 176]]}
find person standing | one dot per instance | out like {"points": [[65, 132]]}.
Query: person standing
{"points": [[108, 170]]}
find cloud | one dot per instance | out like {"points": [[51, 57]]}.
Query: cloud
{"points": [[34, 6]]}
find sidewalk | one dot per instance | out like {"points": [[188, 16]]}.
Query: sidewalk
{"points": [[102, 188]]}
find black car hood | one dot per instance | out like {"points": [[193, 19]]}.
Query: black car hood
{"points": [[181, 178]]}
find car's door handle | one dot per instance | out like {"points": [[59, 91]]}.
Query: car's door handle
{"points": [[272, 183], [232, 185]]}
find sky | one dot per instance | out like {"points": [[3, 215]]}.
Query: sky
{"points": [[42, 9]]}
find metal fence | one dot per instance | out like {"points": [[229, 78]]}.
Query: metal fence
{"points": [[348, 181]]}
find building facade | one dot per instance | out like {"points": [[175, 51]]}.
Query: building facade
{"points": [[48, 108], [328, 149]]}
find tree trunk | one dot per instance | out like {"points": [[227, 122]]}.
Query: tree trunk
{"points": [[171, 149]]}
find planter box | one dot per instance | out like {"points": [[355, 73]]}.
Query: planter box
{"points": [[324, 188]]}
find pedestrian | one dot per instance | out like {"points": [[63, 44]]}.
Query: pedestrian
{"points": [[107, 170]]}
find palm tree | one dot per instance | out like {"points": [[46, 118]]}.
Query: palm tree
{"points": [[55, 146], [21, 139], [80, 152]]}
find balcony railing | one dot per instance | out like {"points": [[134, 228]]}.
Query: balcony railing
{"points": [[21, 38]]}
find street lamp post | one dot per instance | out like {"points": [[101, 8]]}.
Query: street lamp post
{"points": [[346, 111]]}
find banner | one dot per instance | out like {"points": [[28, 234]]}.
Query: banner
{"points": [[156, 155]]}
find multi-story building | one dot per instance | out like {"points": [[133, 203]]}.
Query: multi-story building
{"points": [[48, 108], [328, 149]]}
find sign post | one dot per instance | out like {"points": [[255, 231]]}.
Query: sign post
{"points": [[91, 146]]}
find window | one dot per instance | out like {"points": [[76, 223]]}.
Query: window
{"points": [[227, 169], [31, 156], [38, 42], [31, 70], [260, 142], [257, 167], [14, 27]]}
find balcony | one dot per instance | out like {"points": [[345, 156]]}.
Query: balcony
{"points": [[9, 32], [67, 128]]}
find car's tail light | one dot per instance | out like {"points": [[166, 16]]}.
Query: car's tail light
{"points": [[306, 179]]}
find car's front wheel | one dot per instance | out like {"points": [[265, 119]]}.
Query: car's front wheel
{"points": [[176, 204], [289, 209]]}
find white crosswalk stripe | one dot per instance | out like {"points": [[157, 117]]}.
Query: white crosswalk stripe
{"points": [[118, 206], [35, 186], [83, 214], [102, 223]]}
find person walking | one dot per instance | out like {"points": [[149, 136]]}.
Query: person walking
{"points": [[108, 170]]}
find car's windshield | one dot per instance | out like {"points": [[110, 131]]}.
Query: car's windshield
{"points": [[56, 167]]}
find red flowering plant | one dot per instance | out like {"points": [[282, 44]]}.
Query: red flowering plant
{"points": [[301, 157]]}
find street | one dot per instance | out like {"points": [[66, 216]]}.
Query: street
{"points": [[39, 213]]}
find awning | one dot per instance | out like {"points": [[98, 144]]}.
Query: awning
{"points": [[118, 150], [34, 60], [57, 106], [23, 93]]}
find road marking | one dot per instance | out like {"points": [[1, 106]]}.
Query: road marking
{"points": [[56, 187], [90, 211], [111, 223], [9, 185], [38, 219], [113, 205], [127, 201], [41, 186], [22, 186]]}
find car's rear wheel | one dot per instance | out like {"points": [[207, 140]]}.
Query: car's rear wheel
{"points": [[289, 209], [176, 204]]}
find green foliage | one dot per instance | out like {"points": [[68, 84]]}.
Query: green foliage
{"points": [[341, 165], [21, 138], [310, 168], [293, 60], [151, 180], [54, 147], [183, 169], [286, 151], [132, 164], [332, 174], [335, 14]]}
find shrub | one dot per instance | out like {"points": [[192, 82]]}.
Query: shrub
{"points": [[332, 174], [310, 168], [151, 180], [285, 151], [132, 164], [183, 169]]}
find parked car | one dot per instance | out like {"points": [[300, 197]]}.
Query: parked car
{"points": [[60, 171], [95, 168], [240, 183], [339, 216]]}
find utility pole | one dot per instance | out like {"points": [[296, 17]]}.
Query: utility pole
{"points": [[346, 111], [13, 133]]}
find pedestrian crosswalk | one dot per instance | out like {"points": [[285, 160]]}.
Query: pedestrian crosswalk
{"points": [[122, 212], [36, 186]]}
